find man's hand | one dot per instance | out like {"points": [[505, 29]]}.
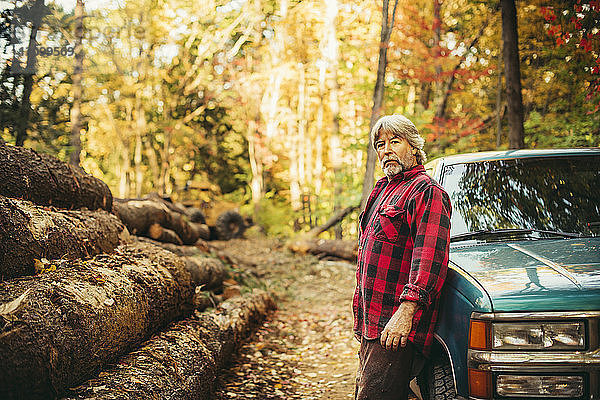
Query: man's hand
{"points": [[398, 328]]}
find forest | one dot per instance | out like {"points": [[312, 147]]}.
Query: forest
{"points": [[266, 105]]}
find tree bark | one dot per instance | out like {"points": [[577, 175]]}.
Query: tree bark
{"points": [[510, 38], [183, 361], [176, 249], [79, 318], [77, 87], [386, 31], [45, 180], [208, 273], [29, 233]]}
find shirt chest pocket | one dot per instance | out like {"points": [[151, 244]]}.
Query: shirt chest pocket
{"points": [[390, 223]]}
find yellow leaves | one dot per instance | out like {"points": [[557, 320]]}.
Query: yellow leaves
{"points": [[43, 265]]}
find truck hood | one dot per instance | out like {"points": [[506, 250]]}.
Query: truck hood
{"points": [[535, 275]]}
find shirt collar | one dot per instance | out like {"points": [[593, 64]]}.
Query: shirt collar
{"points": [[406, 175]]}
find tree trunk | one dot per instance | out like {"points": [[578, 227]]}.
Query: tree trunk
{"points": [[318, 177], [424, 94], [437, 59], [77, 87], [256, 165], [510, 38], [176, 249], [183, 361], [499, 102], [296, 158], [29, 233], [79, 318], [207, 272], [45, 180], [386, 31], [346, 249], [140, 128], [334, 147], [139, 215], [28, 72], [157, 232]]}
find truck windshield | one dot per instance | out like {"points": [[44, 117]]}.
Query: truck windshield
{"points": [[544, 193]]}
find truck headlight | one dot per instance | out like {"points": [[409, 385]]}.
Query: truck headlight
{"points": [[538, 336], [540, 386]]}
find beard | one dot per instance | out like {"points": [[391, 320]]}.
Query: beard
{"points": [[401, 164]]}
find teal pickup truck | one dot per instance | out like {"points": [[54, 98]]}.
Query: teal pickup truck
{"points": [[520, 310]]}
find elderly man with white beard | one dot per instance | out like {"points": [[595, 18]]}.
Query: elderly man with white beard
{"points": [[402, 263]]}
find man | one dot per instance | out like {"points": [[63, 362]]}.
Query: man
{"points": [[402, 263]]}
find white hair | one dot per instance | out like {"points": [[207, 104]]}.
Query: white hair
{"points": [[399, 125]]}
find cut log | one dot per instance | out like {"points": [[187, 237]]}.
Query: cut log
{"points": [[346, 249], [170, 205], [45, 180], [29, 232], [139, 215], [230, 224], [207, 272], [200, 247], [78, 318], [164, 235], [183, 361]]}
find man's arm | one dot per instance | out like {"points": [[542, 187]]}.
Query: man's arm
{"points": [[398, 328], [431, 230]]}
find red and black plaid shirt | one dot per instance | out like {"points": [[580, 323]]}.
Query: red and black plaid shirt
{"points": [[402, 255]]}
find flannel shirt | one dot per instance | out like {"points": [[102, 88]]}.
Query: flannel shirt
{"points": [[402, 255]]}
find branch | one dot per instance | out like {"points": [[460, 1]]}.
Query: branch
{"points": [[441, 111], [334, 220]]}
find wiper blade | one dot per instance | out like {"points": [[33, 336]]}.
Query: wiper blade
{"points": [[502, 232]]}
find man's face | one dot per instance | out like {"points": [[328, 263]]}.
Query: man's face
{"points": [[394, 153]]}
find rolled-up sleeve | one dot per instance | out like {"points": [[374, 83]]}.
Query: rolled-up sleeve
{"points": [[430, 227]]}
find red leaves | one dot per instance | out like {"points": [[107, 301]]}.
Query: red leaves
{"points": [[585, 45], [548, 14], [555, 30], [576, 21]]}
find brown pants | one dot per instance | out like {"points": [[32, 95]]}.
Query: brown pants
{"points": [[383, 374]]}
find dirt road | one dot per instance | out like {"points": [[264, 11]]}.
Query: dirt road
{"points": [[306, 350]]}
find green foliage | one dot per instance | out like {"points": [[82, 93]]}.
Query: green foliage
{"points": [[275, 216]]}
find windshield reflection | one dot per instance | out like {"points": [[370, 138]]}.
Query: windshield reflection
{"points": [[548, 193]]}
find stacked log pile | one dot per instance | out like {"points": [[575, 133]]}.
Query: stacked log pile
{"points": [[77, 293], [85, 314], [181, 362], [154, 219]]}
